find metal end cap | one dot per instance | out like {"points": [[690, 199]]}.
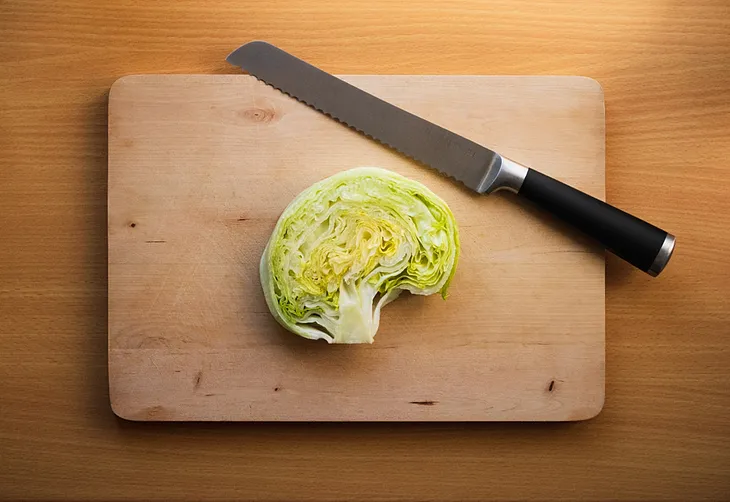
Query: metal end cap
{"points": [[663, 256]]}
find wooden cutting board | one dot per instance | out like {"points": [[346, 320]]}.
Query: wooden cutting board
{"points": [[200, 167]]}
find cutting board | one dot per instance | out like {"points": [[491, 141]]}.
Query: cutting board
{"points": [[200, 167]]}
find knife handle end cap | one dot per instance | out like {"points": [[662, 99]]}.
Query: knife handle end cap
{"points": [[663, 256]]}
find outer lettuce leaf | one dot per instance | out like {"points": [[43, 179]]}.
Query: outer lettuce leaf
{"points": [[348, 245]]}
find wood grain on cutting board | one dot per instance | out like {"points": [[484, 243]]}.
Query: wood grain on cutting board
{"points": [[200, 167]]}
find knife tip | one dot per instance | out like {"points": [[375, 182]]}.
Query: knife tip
{"points": [[237, 56]]}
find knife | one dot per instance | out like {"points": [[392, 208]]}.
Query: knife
{"points": [[645, 246]]}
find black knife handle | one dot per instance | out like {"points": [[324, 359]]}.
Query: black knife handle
{"points": [[642, 244]]}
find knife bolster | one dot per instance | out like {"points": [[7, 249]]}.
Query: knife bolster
{"points": [[510, 176]]}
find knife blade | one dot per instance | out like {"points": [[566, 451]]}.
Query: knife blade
{"points": [[640, 243]]}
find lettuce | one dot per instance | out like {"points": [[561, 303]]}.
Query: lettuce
{"points": [[348, 245]]}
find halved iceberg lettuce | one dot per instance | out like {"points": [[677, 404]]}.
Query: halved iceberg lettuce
{"points": [[348, 245]]}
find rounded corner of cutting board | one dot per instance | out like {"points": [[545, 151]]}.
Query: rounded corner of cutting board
{"points": [[589, 412], [592, 84], [121, 409], [120, 85]]}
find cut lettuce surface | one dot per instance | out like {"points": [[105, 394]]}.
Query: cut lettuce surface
{"points": [[348, 245]]}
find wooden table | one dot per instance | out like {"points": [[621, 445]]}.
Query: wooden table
{"points": [[665, 430]]}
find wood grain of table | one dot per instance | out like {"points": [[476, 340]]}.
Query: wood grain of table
{"points": [[665, 430]]}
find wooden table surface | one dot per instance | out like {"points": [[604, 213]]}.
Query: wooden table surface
{"points": [[665, 429]]}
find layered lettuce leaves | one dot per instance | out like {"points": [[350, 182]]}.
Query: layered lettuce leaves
{"points": [[350, 244]]}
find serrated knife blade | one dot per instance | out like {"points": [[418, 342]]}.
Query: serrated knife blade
{"points": [[479, 168], [419, 139]]}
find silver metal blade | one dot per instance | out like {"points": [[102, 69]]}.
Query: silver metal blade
{"points": [[472, 164]]}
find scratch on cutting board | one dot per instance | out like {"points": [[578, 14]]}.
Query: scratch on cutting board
{"points": [[424, 403]]}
